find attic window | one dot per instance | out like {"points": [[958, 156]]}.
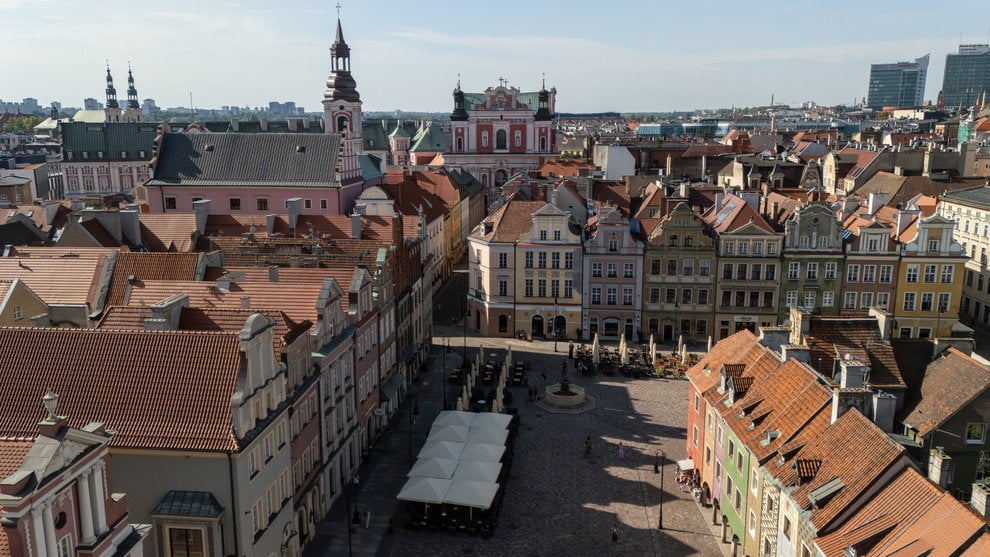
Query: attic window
{"points": [[300, 148], [209, 148], [821, 495], [141, 154]]}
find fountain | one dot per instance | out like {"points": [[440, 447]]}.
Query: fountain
{"points": [[565, 397]]}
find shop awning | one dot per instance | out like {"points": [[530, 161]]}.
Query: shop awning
{"points": [[392, 386], [686, 464]]}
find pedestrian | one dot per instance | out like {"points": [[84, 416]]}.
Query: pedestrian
{"points": [[587, 446], [367, 518], [389, 528], [356, 518], [622, 451], [615, 534]]}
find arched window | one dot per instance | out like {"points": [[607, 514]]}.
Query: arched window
{"points": [[517, 138], [501, 139], [804, 241], [503, 324], [460, 143], [484, 138], [823, 241], [341, 124], [484, 179], [543, 144]]}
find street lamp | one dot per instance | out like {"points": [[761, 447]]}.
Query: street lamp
{"points": [[658, 469], [443, 369], [467, 313], [412, 410], [556, 333]]}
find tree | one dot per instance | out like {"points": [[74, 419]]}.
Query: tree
{"points": [[22, 123]]}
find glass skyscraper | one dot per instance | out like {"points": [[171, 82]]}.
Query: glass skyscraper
{"points": [[967, 75], [901, 84]]}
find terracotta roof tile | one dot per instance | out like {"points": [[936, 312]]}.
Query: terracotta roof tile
{"points": [[149, 266], [852, 450], [342, 273], [298, 302], [950, 383], [168, 231], [58, 280], [12, 453], [943, 530], [137, 383], [734, 214], [724, 352], [611, 194], [510, 221], [831, 338]]}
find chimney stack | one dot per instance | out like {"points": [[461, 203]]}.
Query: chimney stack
{"points": [[202, 210], [356, 225], [270, 224], [245, 302], [273, 273], [293, 206]]}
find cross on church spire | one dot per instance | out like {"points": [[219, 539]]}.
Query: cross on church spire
{"points": [[502, 81], [338, 10]]}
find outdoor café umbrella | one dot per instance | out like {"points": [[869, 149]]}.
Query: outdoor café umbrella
{"points": [[488, 436], [451, 417], [624, 354], [452, 433], [596, 350], [684, 354], [491, 420], [680, 342], [473, 495], [425, 490], [709, 343], [442, 449], [475, 471], [508, 358], [482, 452], [442, 468], [460, 404]]}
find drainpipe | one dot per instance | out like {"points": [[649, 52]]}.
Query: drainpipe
{"points": [[233, 522]]}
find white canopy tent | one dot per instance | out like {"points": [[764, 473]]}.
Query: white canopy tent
{"points": [[425, 490], [487, 436], [482, 452], [442, 468], [442, 449], [476, 471], [452, 433], [478, 495], [491, 420], [453, 417]]}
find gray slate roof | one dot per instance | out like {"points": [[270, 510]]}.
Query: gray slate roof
{"points": [[188, 503], [978, 196], [247, 159], [112, 138]]}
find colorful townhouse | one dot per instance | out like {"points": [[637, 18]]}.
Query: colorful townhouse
{"points": [[929, 280], [812, 260], [679, 278], [612, 289]]}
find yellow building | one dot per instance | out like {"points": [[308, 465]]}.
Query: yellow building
{"points": [[548, 276], [930, 280], [19, 305]]}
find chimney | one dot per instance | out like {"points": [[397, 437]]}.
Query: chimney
{"points": [[852, 373], [273, 273], [962, 344], [899, 170], [202, 210], [270, 223], [980, 500], [800, 324], [844, 399], [884, 407], [926, 164], [76, 205], [884, 321], [130, 226], [356, 225], [799, 353], [719, 197], [774, 337], [939, 467], [40, 321], [245, 302], [51, 211], [876, 200], [166, 313], [293, 206], [848, 207]]}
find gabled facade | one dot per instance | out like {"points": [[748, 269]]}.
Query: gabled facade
{"points": [[612, 271], [679, 278], [869, 278], [813, 260]]}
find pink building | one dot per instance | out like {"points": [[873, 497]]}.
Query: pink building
{"points": [[613, 268], [54, 494]]}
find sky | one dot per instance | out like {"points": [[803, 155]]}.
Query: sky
{"points": [[614, 55]]}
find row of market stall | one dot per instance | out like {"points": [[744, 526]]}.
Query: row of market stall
{"points": [[458, 478]]}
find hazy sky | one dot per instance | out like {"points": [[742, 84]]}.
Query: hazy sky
{"points": [[601, 55]]}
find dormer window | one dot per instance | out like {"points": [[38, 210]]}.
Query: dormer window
{"points": [[543, 234], [933, 245], [803, 241]]}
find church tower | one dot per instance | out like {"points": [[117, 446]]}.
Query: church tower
{"points": [[133, 111], [112, 110], [342, 110]]}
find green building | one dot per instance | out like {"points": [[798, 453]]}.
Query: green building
{"points": [[813, 261]]}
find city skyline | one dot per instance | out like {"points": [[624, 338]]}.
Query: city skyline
{"points": [[411, 61]]}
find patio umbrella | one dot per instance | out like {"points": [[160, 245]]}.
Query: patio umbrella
{"points": [[476, 495], [472, 470], [680, 342], [482, 452], [460, 404], [596, 350], [622, 341], [508, 358], [442, 449], [709, 343], [491, 420], [425, 490], [487, 436], [466, 395], [452, 433], [684, 354], [451, 417], [442, 468]]}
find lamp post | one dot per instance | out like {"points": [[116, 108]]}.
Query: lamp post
{"points": [[412, 410], [658, 469], [467, 313], [443, 370], [556, 333], [347, 519]]}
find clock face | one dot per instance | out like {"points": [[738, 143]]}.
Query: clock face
{"points": [[342, 107]]}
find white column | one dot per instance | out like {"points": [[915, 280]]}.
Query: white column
{"points": [[39, 532], [50, 542], [99, 499], [85, 507]]}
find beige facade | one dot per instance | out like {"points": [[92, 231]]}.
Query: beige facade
{"points": [[20, 306]]}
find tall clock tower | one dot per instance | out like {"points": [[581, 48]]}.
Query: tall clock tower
{"points": [[342, 110]]}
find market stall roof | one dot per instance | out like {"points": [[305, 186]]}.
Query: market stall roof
{"points": [[442, 468], [452, 433], [491, 420], [482, 452], [489, 436], [455, 417], [442, 449], [477, 471], [686, 464], [425, 490], [471, 494]]}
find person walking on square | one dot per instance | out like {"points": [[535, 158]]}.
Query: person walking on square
{"points": [[615, 534], [587, 446], [367, 518], [621, 451]]}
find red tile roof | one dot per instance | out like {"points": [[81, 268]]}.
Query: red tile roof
{"points": [[725, 352], [611, 194], [58, 280], [510, 221], [831, 338], [563, 168], [733, 214], [943, 530], [168, 231], [950, 383], [12, 453], [149, 266], [157, 389]]}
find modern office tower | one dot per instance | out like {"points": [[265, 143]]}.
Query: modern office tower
{"points": [[967, 75], [899, 84]]}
